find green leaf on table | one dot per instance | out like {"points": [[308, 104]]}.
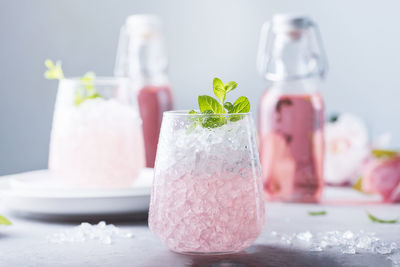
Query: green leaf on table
{"points": [[4, 221], [377, 220], [382, 153], [317, 213]]}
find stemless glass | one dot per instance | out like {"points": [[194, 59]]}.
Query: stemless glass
{"points": [[207, 192], [96, 138]]}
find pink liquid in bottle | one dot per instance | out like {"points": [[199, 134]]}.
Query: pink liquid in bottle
{"points": [[292, 146], [153, 101]]}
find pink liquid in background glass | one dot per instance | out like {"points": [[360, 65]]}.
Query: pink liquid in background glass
{"points": [[292, 147], [203, 214], [96, 144], [153, 101]]}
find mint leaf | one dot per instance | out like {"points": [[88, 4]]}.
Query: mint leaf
{"points": [[54, 71], [381, 153], [228, 106], [377, 220], [215, 109], [230, 86], [241, 105], [209, 103], [213, 121], [220, 93], [219, 89], [4, 221], [79, 98], [49, 64], [317, 213], [87, 89]]}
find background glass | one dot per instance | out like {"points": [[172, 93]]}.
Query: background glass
{"points": [[96, 141]]}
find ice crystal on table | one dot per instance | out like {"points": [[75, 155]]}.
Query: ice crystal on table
{"points": [[395, 258], [346, 242], [102, 232]]}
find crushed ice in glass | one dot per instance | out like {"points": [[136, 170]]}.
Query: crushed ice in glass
{"points": [[347, 242], [102, 232]]}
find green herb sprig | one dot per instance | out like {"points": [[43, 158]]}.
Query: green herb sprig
{"points": [[216, 108], [4, 221], [86, 89]]}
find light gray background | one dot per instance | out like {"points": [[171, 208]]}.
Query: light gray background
{"points": [[205, 38]]}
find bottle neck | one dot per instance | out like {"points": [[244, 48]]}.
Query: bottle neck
{"points": [[291, 57], [141, 56], [310, 85], [147, 62]]}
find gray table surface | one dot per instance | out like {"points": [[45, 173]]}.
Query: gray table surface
{"points": [[25, 244]]}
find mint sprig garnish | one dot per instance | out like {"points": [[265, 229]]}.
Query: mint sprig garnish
{"points": [[54, 71], [216, 108], [377, 220], [4, 221], [86, 89]]}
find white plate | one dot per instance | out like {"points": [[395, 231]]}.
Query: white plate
{"points": [[37, 193]]}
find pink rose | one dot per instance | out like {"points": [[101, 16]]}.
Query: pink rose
{"points": [[381, 174]]}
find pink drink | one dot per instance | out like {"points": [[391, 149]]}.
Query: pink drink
{"points": [[201, 214], [97, 143], [153, 101], [207, 192], [292, 146]]}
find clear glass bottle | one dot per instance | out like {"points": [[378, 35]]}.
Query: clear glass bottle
{"points": [[142, 58], [291, 111]]}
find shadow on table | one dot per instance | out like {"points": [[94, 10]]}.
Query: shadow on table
{"points": [[268, 255], [137, 218]]}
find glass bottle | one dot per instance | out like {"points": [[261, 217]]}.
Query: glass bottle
{"points": [[142, 58], [291, 111]]}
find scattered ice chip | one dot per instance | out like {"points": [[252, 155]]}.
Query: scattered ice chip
{"points": [[102, 232], [348, 235], [304, 236], [382, 247], [395, 258], [346, 242], [348, 250]]}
